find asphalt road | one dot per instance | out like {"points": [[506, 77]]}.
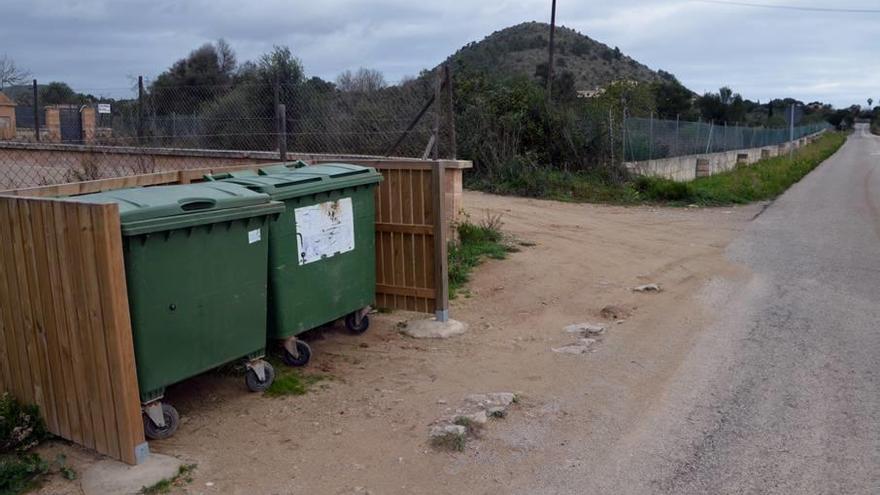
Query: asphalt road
{"points": [[783, 393]]}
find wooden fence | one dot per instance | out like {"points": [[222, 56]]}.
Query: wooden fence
{"points": [[65, 332]]}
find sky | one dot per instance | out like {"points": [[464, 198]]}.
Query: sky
{"points": [[101, 46]]}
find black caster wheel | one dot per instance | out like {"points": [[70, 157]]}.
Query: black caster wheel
{"points": [[172, 421], [305, 354], [254, 384], [352, 325]]}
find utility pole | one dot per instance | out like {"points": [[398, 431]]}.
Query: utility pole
{"points": [[550, 61]]}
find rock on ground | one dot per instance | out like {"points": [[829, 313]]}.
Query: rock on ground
{"points": [[433, 329], [585, 329], [647, 288], [613, 312], [582, 346]]}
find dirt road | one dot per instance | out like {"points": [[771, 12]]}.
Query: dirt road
{"points": [[366, 429]]}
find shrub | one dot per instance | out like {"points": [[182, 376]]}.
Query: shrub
{"points": [[21, 427]]}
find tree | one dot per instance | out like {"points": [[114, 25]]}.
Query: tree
{"points": [[361, 81], [672, 98], [280, 66], [870, 103], [58, 93], [10, 73], [195, 80]]}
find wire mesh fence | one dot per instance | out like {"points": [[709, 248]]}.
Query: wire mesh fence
{"points": [[307, 118], [648, 139]]}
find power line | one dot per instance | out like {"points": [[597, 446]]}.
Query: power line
{"points": [[791, 7]]}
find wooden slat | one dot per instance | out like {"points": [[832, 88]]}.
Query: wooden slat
{"points": [[406, 291], [113, 293], [427, 230], [11, 317], [66, 227], [64, 322]]}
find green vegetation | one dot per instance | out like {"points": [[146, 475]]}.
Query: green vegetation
{"points": [[476, 243], [764, 180], [21, 429], [291, 381], [183, 476]]}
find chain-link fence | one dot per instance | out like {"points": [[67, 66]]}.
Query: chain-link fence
{"points": [[648, 139], [139, 129]]}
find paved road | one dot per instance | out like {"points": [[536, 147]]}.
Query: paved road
{"points": [[783, 393]]}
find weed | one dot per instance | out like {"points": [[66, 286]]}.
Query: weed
{"points": [[184, 475], [290, 381], [475, 243], [20, 473], [450, 441]]}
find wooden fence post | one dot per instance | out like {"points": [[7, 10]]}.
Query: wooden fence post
{"points": [[441, 262]]}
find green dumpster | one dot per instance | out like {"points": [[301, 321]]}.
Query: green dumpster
{"points": [[195, 266], [322, 249]]}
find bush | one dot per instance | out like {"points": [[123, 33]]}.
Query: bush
{"points": [[21, 427], [656, 189], [18, 473]]}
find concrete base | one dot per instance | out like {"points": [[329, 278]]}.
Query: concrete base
{"points": [[109, 476], [433, 329]]}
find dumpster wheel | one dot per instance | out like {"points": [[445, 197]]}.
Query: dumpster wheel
{"points": [[302, 349], [172, 421], [357, 327], [252, 377]]}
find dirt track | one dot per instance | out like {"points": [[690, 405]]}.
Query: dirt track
{"points": [[368, 426]]}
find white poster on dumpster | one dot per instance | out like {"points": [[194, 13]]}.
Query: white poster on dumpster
{"points": [[324, 230]]}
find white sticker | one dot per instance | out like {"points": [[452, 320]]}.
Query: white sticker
{"points": [[324, 230], [253, 236]]}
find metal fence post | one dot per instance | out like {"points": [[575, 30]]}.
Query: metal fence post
{"points": [[281, 127], [651, 138], [611, 134], [452, 152], [438, 84], [140, 113], [677, 131], [709, 141], [36, 111]]}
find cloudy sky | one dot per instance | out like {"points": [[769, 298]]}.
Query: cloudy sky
{"points": [[98, 46]]}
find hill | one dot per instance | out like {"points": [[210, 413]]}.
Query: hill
{"points": [[521, 49]]}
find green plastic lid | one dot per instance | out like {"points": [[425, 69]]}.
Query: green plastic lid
{"points": [[148, 209], [301, 181]]}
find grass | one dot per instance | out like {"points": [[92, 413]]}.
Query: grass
{"points": [[184, 475], [476, 242], [291, 381], [763, 180]]}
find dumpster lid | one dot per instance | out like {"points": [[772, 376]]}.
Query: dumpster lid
{"points": [[299, 181], [147, 203]]}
